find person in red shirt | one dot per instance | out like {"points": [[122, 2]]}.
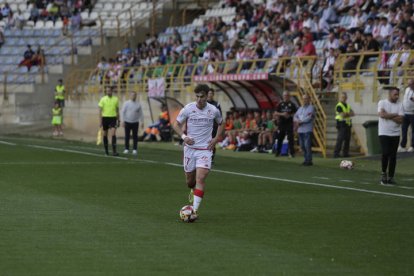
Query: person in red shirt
{"points": [[308, 48]]}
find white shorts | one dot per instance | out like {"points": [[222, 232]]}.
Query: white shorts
{"points": [[195, 158]]}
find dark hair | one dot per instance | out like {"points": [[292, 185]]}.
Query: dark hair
{"points": [[204, 88], [394, 88]]}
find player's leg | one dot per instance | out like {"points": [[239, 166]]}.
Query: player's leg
{"points": [[203, 166], [112, 132], [384, 141], [127, 129], [393, 158], [200, 187], [135, 127], [105, 134], [190, 171]]}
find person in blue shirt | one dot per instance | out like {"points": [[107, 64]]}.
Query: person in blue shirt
{"points": [[303, 120]]}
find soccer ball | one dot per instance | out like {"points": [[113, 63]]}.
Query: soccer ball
{"points": [[346, 164], [187, 214]]}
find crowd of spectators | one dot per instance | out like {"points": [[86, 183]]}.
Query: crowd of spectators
{"points": [[46, 10], [67, 11], [279, 28]]}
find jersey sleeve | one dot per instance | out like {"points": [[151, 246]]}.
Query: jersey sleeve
{"points": [[380, 106], [100, 104], [182, 116]]}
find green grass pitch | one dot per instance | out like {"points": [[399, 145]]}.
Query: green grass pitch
{"points": [[65, 209]]}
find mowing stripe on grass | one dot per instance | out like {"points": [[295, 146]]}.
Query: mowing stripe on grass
{"points": [[241, 174]]}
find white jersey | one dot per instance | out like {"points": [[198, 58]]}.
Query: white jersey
{"points": [[388, 127], [408, 104], [199, 123]]}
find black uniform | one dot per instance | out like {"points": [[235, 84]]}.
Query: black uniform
{"points": [[286, 127], [215, 126]]}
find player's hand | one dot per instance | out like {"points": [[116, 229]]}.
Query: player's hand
{"points": [[189, 141], [123, 124], [212, 144]]}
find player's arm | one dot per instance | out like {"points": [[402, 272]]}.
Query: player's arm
{"points": [[100, 116], [398, 119], [385, 115], [214, 141], [178, 128]]}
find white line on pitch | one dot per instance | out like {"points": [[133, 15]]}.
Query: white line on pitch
{"points": [[316, 184], [76, 151], [55, 163], [346, 180], [7, 143], [244, 174], [320, 177]]}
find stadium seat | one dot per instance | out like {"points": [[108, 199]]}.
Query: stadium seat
{"points": [[39, 24], [49, 24]]}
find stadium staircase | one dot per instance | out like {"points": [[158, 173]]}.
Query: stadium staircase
{"points": [[328, 102]]}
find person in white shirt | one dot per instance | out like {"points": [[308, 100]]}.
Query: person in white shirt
{"points": [[408, 107], [198, 118], [131, 115], [390, 113]]}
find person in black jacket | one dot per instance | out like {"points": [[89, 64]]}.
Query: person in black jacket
{"points": [[210, 100], [286, 110]]}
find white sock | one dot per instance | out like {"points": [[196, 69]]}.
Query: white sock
{"points": [[196, 203]]}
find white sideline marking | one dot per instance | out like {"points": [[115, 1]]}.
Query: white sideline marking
{"points": [[7, 143], [76, 151], [240, 174], [320, 177], [55, 163], [316, 184], [346, 180]]}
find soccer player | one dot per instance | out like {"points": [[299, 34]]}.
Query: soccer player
{"points": [[109, 118], [199, 118]]}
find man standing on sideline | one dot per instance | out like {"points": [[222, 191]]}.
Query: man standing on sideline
{"points": [[285, 111], [303, 119], [343, 125], [60, 94], [131, 115], [408, 107], [109, 118], [390, 113], [210, 100], [199, 118]]}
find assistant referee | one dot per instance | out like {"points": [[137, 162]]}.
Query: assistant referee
{"points": [[109, 118]]}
